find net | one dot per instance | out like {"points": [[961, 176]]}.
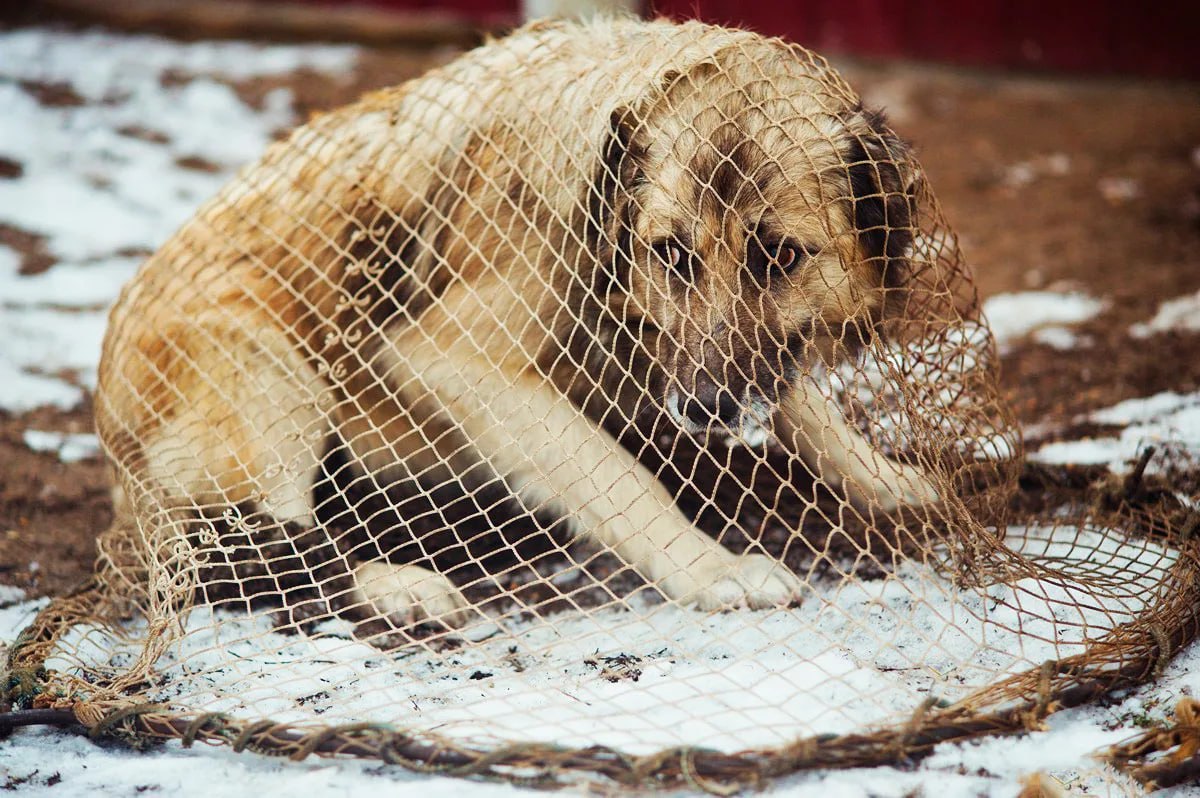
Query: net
{"points": [[613, 400]]}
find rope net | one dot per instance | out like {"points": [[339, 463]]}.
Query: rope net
{"points": [[612, 400]]}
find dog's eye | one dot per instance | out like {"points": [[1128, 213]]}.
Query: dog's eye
{"points": [[669, 253], [786, 256], [765, 258], [673, 255]]}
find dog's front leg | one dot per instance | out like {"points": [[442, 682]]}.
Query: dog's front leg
{"points": [[553, 454], [812, 427]]}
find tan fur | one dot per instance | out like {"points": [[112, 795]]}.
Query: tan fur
{"points": [[418, 275]]}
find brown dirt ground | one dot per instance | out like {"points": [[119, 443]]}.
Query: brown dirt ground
{"points": [[1109, 203]]}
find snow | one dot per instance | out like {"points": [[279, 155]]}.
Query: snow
{"points": [[1022, 173], [70, 447], [1060, 338], [60, 766], [21, 390], [1166, 420], [585, 706], [1013, 316], [1182, 313], [1159, 406], [1090, 451], [934, 372], [105, 181], [864, 652], [1119, 190]]}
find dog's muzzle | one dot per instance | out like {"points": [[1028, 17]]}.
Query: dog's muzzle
{"points": [[714, 408]]}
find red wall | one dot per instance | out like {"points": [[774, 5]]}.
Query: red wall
{"points": [[1160, 39]]}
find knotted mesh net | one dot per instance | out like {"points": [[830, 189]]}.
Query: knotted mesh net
{"points": [[613, 400]]}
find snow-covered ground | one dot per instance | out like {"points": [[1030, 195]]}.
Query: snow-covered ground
{"points": [[106, 180], [1181, 313], [106, 176], [1167, 419], [647, 675], [1046, 314], [58, 764]]}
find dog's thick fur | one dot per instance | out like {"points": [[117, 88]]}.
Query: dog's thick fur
{"points": [[481, 273]]}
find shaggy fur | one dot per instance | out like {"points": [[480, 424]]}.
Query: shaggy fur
{"points": [[481, 274]]}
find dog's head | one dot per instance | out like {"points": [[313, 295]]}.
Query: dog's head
{"points": [[760, 218]]}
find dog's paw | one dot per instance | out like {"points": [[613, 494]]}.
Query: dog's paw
{"points": [[409, 595], [892, 486], [735, 581]]}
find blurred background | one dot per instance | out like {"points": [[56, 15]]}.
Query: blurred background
{"points": [[1081, 36]]}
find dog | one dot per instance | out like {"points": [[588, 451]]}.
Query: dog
{"points": [[484, 275]]}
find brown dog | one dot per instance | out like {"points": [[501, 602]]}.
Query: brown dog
{"points": [[474, 276]]}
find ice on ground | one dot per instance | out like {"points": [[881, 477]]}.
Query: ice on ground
{"points": [[108, 176], [1013, 316], [70, 447], [1168, 419], [1182, 313]]}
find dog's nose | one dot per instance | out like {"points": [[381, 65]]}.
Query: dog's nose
{"points": [[710, 403]]}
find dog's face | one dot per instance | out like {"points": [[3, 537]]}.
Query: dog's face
{"points": [[760, 224]]}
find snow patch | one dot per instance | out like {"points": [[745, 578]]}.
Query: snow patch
{"points": [[21, 391], [867, 652], [1013, 316], [870, 652], [1175, 314], [1168, 419], [935, 371], [1060, 338], [70, 447], [107, 180], [1022, 173]]}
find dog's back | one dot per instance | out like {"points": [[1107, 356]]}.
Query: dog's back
{"points": [[361, 219]]}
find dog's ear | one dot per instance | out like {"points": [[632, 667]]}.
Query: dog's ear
{"points": [[624, 154], [882, 181], [621, 169], [618, 170]]}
